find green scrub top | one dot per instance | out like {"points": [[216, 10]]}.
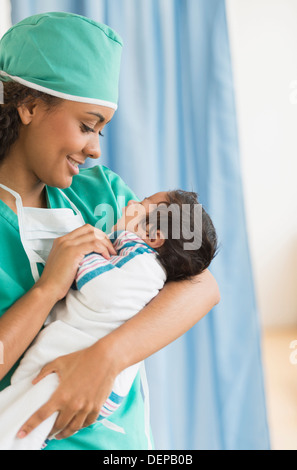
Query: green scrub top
{"points": [[91, 191]]}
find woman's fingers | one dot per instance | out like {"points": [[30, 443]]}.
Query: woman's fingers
{"points": [[89, 242], [45, 371], [41, 415], [80, 395], [69, 421], [75, 424], [87, 239], [80, 420], [65, 421], [91, 231], [91, 418], [67, 253]]}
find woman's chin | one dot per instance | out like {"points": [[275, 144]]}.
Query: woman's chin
{"points": [[60, 183]]}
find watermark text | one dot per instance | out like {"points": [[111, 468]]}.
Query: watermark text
{"points": [[293, 355], [172, 221]]}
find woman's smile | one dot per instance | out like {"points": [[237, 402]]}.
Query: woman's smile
{"points": [[74, 165], [53, 145]]}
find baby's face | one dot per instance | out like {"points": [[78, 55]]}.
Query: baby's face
{"points": [[135, 212]]}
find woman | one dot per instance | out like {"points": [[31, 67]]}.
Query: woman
{"points": [[61, 82]]}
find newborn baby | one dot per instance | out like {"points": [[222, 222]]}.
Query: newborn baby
{"points": [[152, 247]]}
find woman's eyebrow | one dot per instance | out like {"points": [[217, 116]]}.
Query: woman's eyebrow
{"points": [[99, 116]]}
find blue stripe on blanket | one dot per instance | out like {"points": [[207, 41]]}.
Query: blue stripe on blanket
{"points": [[103, 269], [116, 398], [92, 274]]}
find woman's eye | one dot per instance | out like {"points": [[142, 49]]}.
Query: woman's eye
{"points": [[86, 128]]}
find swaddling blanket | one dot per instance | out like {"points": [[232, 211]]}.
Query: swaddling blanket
{"points": [[106, 293]]}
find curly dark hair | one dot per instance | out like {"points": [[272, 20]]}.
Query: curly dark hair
{"points": [[14, 95], [179, 261]]}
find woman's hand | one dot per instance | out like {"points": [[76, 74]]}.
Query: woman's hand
{"points": [[84, 386], [66, 254], [82, 392], [34, 307], [80, 396]]}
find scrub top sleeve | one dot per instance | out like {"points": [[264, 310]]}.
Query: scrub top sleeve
{"points": [[10, 292], [122, 194], [120, 188], [95, 191]]}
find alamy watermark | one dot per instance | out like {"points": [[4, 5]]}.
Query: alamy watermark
{"points": [[293, 355], [174, 221]]}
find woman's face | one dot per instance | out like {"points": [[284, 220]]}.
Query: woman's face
{"points": [[55, 142]]}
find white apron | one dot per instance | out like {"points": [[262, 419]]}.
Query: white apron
{"points": [[40, 227]]}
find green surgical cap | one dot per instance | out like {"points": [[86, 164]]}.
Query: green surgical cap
{"points": [[65, 55]]}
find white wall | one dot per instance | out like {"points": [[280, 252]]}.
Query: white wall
{"points": [[5, 19], [263, 36]]}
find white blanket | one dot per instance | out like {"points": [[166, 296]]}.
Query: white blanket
{"points": [[106, 294]]}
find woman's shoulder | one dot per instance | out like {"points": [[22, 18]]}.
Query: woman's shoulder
{"points": [[96, 191], [100, 177], [94, 173]]}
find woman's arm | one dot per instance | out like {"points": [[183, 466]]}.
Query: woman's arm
{"points": [[22, 322], [85, 386], [176, 309]]}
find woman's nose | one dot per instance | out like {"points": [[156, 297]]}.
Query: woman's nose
{"points": [[93, 149]]}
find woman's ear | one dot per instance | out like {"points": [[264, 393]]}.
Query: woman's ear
{"points": [[27, 112]]}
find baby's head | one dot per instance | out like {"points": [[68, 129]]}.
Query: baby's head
{"points": [[177, 227]]}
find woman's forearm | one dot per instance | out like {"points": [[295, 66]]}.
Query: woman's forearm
{"points": [[23, 321], [176, 309], [86, 377], [21, 324]]}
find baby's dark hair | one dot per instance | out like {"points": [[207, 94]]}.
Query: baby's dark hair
{"points": [[181, 257]]}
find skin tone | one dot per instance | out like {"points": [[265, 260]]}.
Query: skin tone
{"points": [[47, 141], [135, 213], [44, 154]]}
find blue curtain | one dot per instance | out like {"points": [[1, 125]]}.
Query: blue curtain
{"points": [[176, 128]]}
